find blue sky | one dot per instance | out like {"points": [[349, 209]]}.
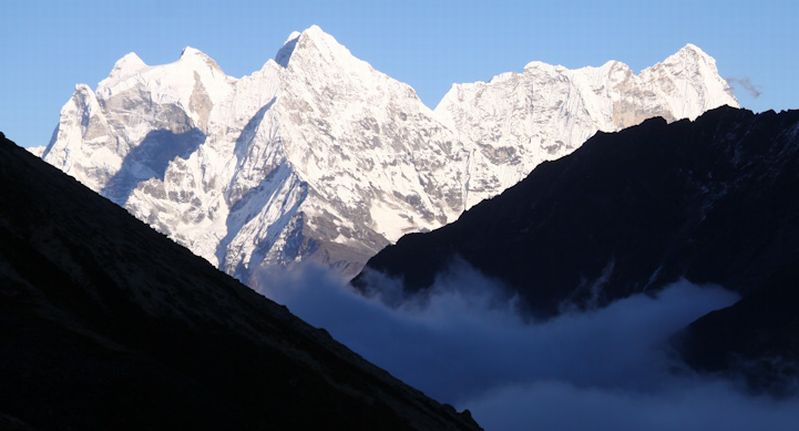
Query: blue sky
{"points": [[47, 47]]}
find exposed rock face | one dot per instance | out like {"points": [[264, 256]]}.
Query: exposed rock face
{"points": [[319, 156], [107, 324]]}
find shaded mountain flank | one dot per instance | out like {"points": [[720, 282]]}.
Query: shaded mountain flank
{"points": [[107, 324], [711, 201]]}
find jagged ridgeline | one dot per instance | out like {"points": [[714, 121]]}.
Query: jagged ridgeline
{"points": [[106, 325], [319, 156]]}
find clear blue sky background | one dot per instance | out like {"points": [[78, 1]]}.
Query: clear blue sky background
{"points": [[46, 47]]}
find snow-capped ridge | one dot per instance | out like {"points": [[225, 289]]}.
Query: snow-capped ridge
{"points": [[317, 155], [131, 65], [194, 55], [128, 65], [689, 56], [694, 50], [690, 82], [129, 62], [536, 64], [311, 35], [189, 51], [314, 45], [190, 54], [315, 33], [520, 119]]}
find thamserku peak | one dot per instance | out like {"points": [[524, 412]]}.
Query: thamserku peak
{"points": [[319, 156]]}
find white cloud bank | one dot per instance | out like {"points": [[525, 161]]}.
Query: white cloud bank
{"points": [[605, 369]]}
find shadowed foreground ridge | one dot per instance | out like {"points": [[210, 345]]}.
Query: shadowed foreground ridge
{"points": [[107, 324], [713, 201]]}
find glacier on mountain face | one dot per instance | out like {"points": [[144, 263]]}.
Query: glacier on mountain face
{"points": [[319, 156]]}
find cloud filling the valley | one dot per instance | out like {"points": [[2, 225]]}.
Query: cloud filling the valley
{"points": [[466, 344]]}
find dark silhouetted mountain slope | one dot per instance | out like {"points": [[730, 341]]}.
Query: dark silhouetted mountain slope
{"points": [[758, 337], [713, 201], [106, 324]]}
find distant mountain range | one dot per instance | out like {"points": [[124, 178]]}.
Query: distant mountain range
{"points": [[319, 156], [106, 324], [712, 201]]}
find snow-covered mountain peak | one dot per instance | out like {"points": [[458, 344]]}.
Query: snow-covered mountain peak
{"points": [[182, 92], [129, 65], [315, 32], [692, 51], [189, 52], [690, 82], [688, 59], [518, 120], [312, 38], [313, 47], [317, 155], [194, 55], [131, 69]]}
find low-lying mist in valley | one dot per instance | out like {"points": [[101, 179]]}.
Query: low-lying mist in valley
{"points": [[465, 343]]}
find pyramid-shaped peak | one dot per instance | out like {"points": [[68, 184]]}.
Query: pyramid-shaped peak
{"points": [[690, 53], [130, 60], [312, 39], [128, 65], [690, 48], [314, 31], [689, 57], [190, 54]]}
